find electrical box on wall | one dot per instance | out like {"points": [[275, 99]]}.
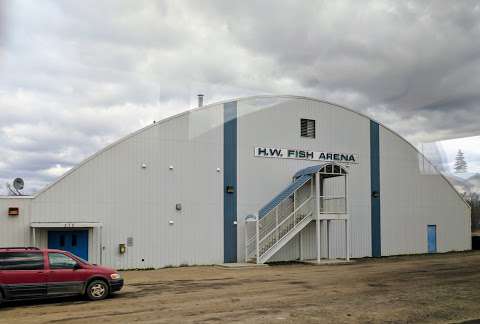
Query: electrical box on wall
{"points": [[13, 211]]}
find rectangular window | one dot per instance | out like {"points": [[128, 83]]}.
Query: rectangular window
{"points": [[61, 261], [307, 128], [21, 261]]}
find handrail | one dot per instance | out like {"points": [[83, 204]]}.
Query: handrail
{"points": [[332, 197], [285, 219], [251, 239], [304, 179], [277, 242]]}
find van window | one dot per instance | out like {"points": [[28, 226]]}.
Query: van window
{"points": [[21, 261], [61, 261]]}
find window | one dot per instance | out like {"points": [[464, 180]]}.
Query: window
{"points": [[61, 261], [62, 240], [21, 261], [307, 128]]}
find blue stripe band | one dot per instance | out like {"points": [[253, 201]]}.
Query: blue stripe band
{"points": [[375, 188], [230, 181]]}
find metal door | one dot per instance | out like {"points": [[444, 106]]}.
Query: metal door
{"points": [[432, 238], [75, 242]]}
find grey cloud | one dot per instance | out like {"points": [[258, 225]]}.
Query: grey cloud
{"points": [[99, 70]]}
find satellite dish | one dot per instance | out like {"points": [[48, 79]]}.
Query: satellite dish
{"points": [[18, 183]]}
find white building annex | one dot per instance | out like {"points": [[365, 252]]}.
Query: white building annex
{"points": [[266, 178]]}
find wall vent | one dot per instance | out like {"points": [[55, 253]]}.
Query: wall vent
{"points": [[13, 211], [307, 128]]}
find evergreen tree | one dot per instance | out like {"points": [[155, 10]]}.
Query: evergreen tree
{"points": [[460, 163]]}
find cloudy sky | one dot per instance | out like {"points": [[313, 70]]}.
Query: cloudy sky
{"points": [[448, 149], [77, 75]]}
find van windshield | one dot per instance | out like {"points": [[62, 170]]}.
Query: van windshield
{"points": [[81, 260]]}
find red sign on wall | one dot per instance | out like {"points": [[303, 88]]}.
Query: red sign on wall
{"points": [[13, 211]]}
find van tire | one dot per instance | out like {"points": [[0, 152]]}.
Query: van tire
{"points": [[97, 290]]}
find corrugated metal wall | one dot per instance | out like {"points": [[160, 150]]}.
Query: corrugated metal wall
{"points": [[414, 195], [275, 122], [15, 230], [137, 202]]}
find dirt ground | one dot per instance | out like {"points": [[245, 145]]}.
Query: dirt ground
{"points": [[432, 288]]}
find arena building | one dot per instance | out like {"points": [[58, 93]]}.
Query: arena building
{"points": [[266, 178]]}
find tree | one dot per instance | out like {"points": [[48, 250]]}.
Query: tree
{"points": [[460, 163]]}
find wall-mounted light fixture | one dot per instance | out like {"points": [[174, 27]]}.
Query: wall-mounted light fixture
{"points": [[122, 248], [170, 167], [144, 166], [230, 189], [178, 207]]}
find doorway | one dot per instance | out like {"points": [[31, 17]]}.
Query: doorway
{"points": [[432, 238], [75, 242]]}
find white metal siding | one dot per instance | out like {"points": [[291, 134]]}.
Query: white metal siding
{"points": [[15, 230], [414, 195], [275, 122], [113, 188], [130, 201]]}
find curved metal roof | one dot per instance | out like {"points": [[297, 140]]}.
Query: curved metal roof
{"points": [[231, 100]]}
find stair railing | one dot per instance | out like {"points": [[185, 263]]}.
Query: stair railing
{"points": [[279, 221], [276, 227]]}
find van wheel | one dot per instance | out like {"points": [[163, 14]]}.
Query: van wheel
{"points": [[97, 290]]}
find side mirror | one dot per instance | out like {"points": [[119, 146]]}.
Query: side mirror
{"points": [[77, 266]]}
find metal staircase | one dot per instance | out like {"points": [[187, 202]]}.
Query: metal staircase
{"points": [[280, 220], [292, 210]]}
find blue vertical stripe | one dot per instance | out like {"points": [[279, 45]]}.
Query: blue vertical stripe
{"points": [[230, 181], [375, 188]]}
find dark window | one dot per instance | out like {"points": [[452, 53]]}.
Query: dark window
{"points": [[61, 261], [74, 239], [21, 261], [307, 128], [62, 240]]}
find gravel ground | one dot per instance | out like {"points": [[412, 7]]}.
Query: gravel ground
{"points": [[429, 288]]}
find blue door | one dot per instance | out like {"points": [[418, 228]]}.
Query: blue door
{"points": [[432, 238], [75, 242]]}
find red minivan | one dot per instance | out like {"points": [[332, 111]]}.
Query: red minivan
{"points": [[30, 273]]}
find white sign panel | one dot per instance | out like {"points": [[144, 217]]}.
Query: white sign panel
{"points": [[283, 153]]}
